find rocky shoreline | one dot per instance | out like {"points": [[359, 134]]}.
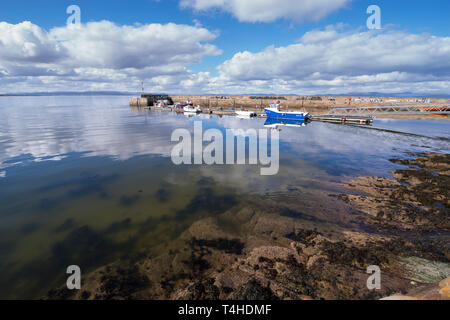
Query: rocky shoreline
{"points": [[261, 250]]}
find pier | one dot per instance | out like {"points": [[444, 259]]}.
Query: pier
{"points": [[326, 109], [361, 120], [391, 110], [343, 119]]}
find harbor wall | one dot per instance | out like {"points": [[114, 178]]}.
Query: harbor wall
{"points": [[316, 104], [138, 102]]}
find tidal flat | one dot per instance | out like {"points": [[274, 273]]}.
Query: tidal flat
{"points": [[89, 181]]}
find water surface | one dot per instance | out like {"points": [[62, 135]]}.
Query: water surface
{"points": [[88, 180]]}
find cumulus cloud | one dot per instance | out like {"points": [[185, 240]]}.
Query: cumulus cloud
{"points": [[331, 59], [107, 45], [355, 54], [101, 51], [26, 42], [270, 10], [103, 56]]}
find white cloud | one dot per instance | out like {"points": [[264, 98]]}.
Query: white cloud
{"points": [[270, 10], [354, 54], [107, 45], [26, 42], [99, 52], [333, 61], [102, 56]]}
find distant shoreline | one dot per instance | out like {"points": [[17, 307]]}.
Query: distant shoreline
{"points": [[119, 93]]}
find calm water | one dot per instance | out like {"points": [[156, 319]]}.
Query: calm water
{"points": [[88, 180]]}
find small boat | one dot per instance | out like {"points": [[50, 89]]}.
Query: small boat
{"points": [[192, 109], [247, 114], [274, 112], [162, 103]]}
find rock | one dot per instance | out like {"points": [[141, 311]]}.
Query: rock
{"points": [[445, 293], [425, 271], [253, 290], [445, 283], [445, 289]]}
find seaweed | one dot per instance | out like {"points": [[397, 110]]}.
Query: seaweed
{"points": [[65, 226], [118, 226], [123, 283], [29, 228], [60, 294], [253, 290], [196, 263], [209, 201], [233, 246], [303, 236], [288, 212], [203, 290], [127, 201], [162, 195]]}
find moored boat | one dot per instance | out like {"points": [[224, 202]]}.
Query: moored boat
{"points": [[243, 113], [192, 109], [274, 112], [189, 107]]}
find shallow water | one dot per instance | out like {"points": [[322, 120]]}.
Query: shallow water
{"points": [[88, 180]]}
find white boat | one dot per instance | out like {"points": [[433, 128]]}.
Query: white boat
{"points": [[247, 114], [162, 104], [192, 109]]}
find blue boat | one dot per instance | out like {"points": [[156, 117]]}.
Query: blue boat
{"points": [[274, 112]]}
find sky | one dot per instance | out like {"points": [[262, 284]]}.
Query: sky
{"points": [[303, 47]]}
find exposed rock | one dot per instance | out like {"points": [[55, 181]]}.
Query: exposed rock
{"points": [[419, 198], [425, 271], [439, 291], [253, 290]]}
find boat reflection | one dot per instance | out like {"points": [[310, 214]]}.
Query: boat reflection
{"points": [[279, 123]]}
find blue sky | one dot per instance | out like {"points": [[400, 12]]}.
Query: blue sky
{"points": [[232, 35]]}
